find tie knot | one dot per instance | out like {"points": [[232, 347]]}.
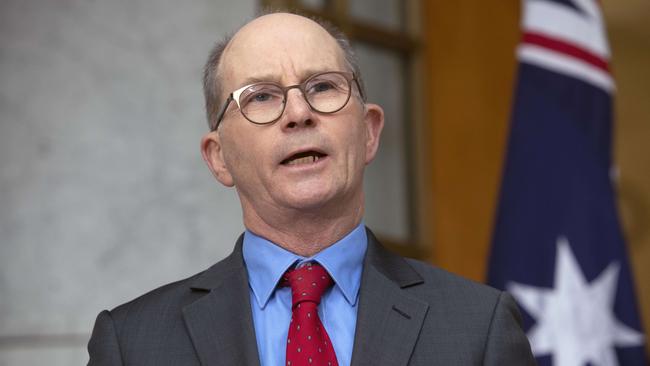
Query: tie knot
{"points": [[308, 283]]}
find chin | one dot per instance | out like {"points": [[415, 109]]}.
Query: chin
{"points": [[309, 199], [308, 203]]}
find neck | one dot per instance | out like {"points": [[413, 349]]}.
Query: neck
{"points": [[303, 233]]}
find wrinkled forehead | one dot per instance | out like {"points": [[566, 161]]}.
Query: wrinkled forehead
{"points": [[284, 48]]}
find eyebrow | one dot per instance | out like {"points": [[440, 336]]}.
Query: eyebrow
{"points": [[259, 79], [275, 79]]}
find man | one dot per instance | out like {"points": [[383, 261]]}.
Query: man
{"points": [[306, 283]]}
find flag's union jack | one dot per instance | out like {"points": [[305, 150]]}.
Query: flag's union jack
{"points": [[567, 37]]}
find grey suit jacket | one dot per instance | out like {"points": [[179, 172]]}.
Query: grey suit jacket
{"points": [[410, 313]]}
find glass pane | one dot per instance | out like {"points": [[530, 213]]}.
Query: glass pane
{"points": [[384, 13], [386, 183]]}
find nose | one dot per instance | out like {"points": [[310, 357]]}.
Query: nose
{"points": [[297, 112]]}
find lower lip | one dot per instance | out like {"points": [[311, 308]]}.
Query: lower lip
{"points": [[306, 167]]}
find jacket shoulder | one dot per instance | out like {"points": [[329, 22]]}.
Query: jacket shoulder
{"points": [[451, 285], [456, 305], [468, 315], [144, 330], [172, 295]]}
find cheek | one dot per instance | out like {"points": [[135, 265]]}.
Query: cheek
{"points": [[353, 143], [357, 138], [235, 158], [245, 156]]}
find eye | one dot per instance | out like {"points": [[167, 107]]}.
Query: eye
{"points": [[261, 97], [257, 95], [328, 84], [322, 86]]}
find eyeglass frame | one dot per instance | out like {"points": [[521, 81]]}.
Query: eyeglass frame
{"points": [[285, 91]]}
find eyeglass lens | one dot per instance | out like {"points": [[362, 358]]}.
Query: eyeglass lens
{"points": [[264, 102]]}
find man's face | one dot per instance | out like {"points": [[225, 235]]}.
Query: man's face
{"points": [[273, 166]]}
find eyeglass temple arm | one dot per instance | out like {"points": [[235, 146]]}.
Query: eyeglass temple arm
{"points": [[223, 111], [356, 80]]}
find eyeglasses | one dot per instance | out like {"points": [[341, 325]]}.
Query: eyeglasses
{"points": [[263, 103]]}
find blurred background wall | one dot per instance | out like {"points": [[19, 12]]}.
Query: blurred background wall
{"points": [[103, 194]]}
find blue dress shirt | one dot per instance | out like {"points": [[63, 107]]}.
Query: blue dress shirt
{"points": [[271, 306]]}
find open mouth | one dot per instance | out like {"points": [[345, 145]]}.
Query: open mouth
{"points": [[304, 157]]}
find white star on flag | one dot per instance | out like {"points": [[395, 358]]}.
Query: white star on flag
{"points": [[575, 321]]}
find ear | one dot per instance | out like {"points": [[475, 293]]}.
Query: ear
{"points": [[212, 152], [374, 119]]}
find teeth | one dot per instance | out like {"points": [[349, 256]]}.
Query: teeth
{"points": [[303, 160]]}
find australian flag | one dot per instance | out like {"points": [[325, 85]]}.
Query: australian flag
{"points": [[558, 246]]}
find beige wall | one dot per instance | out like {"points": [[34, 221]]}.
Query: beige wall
{"points": [[470, 61]]}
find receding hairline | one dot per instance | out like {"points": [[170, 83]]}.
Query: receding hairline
{"points": [[232, 40]]}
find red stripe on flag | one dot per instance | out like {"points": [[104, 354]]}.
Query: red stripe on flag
{"points": [[566, 48]]}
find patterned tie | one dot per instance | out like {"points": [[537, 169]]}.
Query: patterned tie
{"points": [[308, 343]]}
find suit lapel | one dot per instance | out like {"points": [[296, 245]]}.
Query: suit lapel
{"points": [[388, 320], [220, 323]]}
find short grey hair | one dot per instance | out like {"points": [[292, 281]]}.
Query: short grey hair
{"points": [[212, 86]]}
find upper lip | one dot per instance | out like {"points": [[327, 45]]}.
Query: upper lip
{"points": [[303, 150]]}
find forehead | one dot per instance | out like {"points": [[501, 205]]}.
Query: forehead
{"points": [[285, 48]]}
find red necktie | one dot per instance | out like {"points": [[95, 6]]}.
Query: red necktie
{"points": [[308, 343]]}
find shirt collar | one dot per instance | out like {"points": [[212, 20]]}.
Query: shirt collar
{"points": [[266, 262]]}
